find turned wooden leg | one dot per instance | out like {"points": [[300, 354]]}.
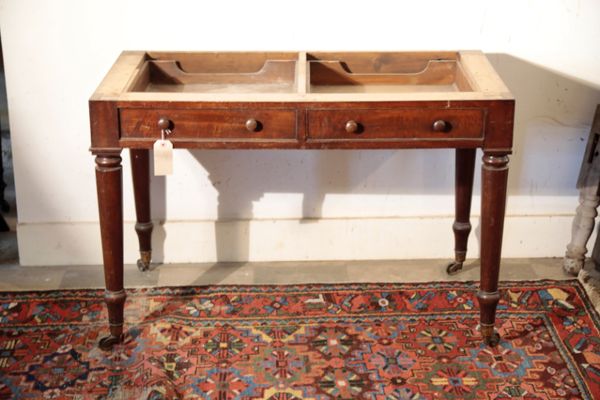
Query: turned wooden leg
{"points": [[140, 169], [465, 166], [583, 225], [493, 203], [109, 186]]}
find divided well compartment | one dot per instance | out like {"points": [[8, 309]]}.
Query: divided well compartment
{"points": [[218, 73], [385, 72], [301, 73]]}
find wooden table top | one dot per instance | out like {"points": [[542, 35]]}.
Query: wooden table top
{"points": [[301, 77]]}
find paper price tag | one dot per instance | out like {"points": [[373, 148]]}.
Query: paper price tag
{"points": [[163, 157]]}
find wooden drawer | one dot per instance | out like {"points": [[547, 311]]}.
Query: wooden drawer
{"points": [[390, 124], [210, 124]]}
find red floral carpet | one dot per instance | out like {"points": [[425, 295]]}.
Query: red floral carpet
{"points": [[352, 341]]}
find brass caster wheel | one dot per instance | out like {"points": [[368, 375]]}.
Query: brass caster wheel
{"points": [[107, 342], [492, 340], [143, 266], [490, 336], [454, 267], [143, 263]]}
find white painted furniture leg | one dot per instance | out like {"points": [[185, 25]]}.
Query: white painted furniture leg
{"points": [[583, 225], [588, 184]]}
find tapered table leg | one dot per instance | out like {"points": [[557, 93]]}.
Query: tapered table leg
{"points": [[140, 168], [110, 205], [493, 204], [465, 166]]}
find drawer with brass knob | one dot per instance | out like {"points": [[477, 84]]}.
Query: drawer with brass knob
{"points": [[394, 124], [209, 124]]}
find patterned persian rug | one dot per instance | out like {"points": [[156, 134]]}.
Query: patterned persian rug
{"points": [[348, 341]]}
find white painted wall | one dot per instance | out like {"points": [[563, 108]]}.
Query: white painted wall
{"points": [[295, 205]]}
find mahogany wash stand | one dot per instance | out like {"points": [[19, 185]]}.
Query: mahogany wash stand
{"points": [[302, 100]]}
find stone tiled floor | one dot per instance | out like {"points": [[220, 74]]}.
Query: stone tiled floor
{"points": [[15, 277]]}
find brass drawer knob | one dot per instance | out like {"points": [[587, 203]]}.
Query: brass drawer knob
{"points": [[164, 123], [441, 126], [352, 126], [252, 125]]}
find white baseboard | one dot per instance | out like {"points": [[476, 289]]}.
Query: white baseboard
{"points": [[289, 240]]}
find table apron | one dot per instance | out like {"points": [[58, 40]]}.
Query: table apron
{"points": [[310, 127]]}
